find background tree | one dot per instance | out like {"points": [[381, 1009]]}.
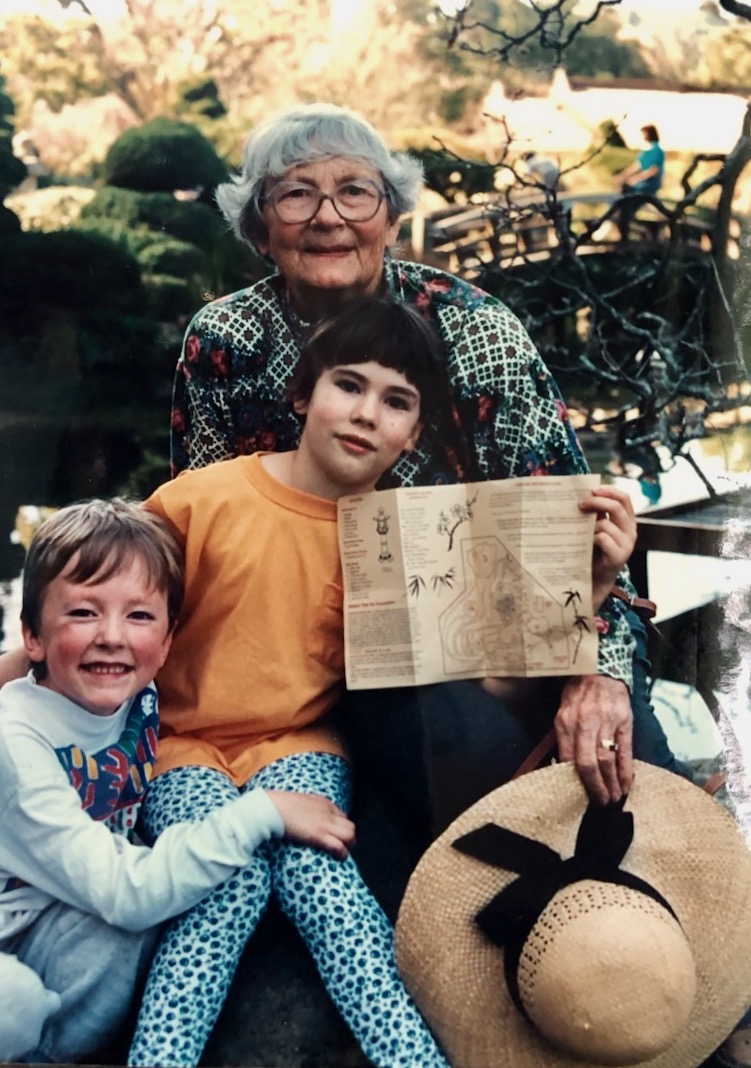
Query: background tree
{"points": [[64, 61], [12, 171], [548, 31], [157, 202], [653, 325], [531, 40]]}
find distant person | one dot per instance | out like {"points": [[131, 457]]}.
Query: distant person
{"points": [[643, 176], [544, 171]]}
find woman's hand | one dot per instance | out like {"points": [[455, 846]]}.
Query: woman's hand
{"points": [[594, 727], [312, 820], [614, 537]]}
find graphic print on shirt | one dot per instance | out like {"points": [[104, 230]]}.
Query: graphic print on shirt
{"points": [[112, 782]]}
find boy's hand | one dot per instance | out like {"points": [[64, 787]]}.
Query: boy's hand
{"points": [[614, 539], [312, 820]]}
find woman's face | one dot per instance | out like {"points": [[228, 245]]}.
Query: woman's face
{"points": [[326, 260]]}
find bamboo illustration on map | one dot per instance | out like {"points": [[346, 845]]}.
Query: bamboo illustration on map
{"points": [[490, 578]]}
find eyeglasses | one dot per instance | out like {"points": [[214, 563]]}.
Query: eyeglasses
{"points": [[295, 202]]}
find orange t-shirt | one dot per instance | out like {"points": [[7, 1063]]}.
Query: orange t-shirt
{"points": [[257, 658]]}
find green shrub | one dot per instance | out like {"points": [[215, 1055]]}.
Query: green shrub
{"points": [[124, 205], [69, 268], [178, 258], [132, 239], [168, 297], [163, 155], [74, 326], [200, 97], [453, 177], [12, 170], [186, 220], [9, 221], [610, 134], [452, 166]]}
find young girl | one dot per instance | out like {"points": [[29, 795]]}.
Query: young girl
{"points": [[256, 665]]}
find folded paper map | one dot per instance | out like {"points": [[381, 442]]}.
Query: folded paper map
{"points": [[468, 581]]}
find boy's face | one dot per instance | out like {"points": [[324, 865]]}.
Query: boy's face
{"points": [[359, 420], [102, 641]]}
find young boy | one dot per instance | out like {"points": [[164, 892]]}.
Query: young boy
{"points": [[78, 904], [255, 668]]}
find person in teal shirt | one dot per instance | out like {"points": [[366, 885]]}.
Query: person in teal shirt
{"points": [[645, 174]]}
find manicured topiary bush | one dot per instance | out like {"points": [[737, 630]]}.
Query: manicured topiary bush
{"points": [[67, 268], [185, 250], [12, 170], [170, 257], [199, 97], [163, 155], [186, 220], [76, 325], [133, 239], [169, 297]]}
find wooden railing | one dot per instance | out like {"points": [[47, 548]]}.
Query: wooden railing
{"points": [[506, 232]]}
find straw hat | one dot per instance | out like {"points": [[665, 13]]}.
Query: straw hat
{"points": [[539, 931]]}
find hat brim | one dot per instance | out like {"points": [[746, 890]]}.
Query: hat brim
{"points": [[685, 845]]}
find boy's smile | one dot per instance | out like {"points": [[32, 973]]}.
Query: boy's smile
{"points": [[101, 642], [359, 420]]}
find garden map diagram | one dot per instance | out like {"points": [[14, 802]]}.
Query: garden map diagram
{"points": [[464, 581], [502, 615]]}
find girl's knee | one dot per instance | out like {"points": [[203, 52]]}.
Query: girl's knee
{"points": [[309, 773], [182, 795], [308, 881]]}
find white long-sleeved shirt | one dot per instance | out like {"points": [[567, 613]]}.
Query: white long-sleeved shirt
{"points": [[50, 843]]}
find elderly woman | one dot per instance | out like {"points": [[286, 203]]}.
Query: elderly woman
{"points": [[320, 195]]}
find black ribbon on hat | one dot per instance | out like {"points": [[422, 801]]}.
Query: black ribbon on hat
{"points": [[605, 834]]}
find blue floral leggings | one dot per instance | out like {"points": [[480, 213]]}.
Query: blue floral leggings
{"points": [[344, 928]]}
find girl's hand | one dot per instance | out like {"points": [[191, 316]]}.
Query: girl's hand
{"points": [[614, 539], [313, 820]]}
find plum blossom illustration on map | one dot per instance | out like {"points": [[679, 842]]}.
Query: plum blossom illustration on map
{"points": [[449, 523]]}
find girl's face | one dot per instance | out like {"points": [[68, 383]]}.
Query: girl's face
{"points": [[359, 420]]}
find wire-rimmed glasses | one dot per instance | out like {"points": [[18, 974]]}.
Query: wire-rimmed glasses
{"points": [[354, 201]]}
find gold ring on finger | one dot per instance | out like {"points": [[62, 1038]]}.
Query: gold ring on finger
{"points": [[609, 744]]}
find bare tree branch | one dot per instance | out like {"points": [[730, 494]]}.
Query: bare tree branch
{"points": [[735, 7], [554, 27]]}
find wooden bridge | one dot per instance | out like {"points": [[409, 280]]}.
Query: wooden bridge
{"points": [[524, 226]]}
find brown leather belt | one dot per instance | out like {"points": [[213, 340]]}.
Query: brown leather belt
{"points": [[641, 605]]}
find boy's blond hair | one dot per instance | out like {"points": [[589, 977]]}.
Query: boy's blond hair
{"points": [[105, 535]]}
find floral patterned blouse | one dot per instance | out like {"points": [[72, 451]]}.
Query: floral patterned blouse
{"points": [[506, 419]]}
